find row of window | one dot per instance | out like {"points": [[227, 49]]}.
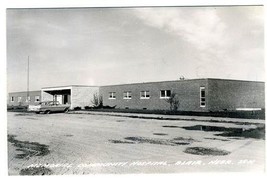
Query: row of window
{"points": [[143, 94], [36, 99], [164, 94]]}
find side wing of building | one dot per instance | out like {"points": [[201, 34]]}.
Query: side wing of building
{"points": [[20, 98]]}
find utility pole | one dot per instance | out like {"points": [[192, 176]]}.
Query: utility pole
{"points": [[28, 78]]}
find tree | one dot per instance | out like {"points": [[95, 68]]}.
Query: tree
{"points": [[97, 100], [174, 102]]}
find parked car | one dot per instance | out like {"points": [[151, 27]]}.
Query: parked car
{"points": [[49, 106]]}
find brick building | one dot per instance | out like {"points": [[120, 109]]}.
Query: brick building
{"points": [[193, 95]]}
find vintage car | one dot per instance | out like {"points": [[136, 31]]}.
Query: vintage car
{"points": [[48, 106]]}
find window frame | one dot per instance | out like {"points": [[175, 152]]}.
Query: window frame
{"points": [[12, 99], [202, 104], [165, 94], [112, 95], [146, 94], [128, 95]]}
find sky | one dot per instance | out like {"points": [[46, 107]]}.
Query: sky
{"points": [[105, 46]]}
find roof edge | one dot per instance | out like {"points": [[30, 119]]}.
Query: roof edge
{"points": [[66, 86], [185, 80]]}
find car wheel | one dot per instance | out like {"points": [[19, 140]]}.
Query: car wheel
{"points": [[48, 112], [66, 110], [37, 112]]}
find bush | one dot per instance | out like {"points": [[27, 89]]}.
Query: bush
{"points": [[88, 107], [97, 100], [10, 108], [174, 102], [77, 108]]}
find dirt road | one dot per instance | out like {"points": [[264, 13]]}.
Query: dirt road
{"points": [[84, 144]]}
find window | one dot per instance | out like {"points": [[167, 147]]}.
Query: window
{"points": [[202, 97], [144, 94], [37, 98], [127, 95], [28, 99], [165, 93], [12, 98], [19, 99], [112, 95]]}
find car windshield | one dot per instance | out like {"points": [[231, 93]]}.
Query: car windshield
{"points": [[43, 103], [48, 103], [53, 103]]}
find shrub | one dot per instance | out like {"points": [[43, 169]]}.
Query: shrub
{"points": [[77, 108], [97, 100], [87, 107], [174, 102]]}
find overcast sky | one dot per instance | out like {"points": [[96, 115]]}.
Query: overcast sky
{"points": [[104, 46]]}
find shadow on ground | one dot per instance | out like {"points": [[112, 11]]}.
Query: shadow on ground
{"points": [[257, 133], [206, 151], [27, 148], [35, 171], [140, 140]]}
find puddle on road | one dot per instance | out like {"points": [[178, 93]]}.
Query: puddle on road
{"points": [[258, 133], [236, 138], [171, 142], [121, 141], [161, 134], [139, 140], [224, 140], [28, 149], [208, 128], [206, 151], [35, 171], [171, 126]]}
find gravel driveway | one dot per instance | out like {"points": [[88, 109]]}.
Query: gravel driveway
{"points": [[62, 144]]}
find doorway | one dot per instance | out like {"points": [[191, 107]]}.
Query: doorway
{"points": [[65, 99]]}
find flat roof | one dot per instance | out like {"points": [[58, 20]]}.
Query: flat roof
{"points": [[185, 81], [25, 91], [67, 86]]}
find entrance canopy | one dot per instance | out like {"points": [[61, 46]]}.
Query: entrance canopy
{"points": [[73, 95], [59, 92]]}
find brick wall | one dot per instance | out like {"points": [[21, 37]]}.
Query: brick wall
{"points": [[23, 96], [188, 92], [220, 95], [232, 94]]}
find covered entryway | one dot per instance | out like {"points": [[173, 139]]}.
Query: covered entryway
{"points": [[62, 95], [73, 95]]}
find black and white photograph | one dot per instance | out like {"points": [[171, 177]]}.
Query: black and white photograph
{"points": [[135, 90]]}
